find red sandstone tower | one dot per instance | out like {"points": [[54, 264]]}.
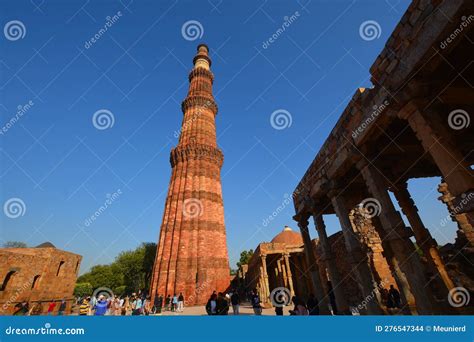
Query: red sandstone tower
{"points": [[192, 252]]}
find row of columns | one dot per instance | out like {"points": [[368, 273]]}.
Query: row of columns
{"points": [[283, 268], [399, 251]]}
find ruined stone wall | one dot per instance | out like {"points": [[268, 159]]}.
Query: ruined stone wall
{"points": [[36, 277]]}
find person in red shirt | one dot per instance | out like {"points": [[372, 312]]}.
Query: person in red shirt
{"points": [[51, 307]]}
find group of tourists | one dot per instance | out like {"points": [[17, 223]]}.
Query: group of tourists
{"points": [[134, 305], [36, 308]]}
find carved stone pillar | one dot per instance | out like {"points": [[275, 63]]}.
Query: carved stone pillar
{"points": [[450, 161], [286, 256], [359, 261], [403, 257], [322, 297], [266, 286], [328, 258], [422, 235]]}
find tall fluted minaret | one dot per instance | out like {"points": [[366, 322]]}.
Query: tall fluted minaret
{"points": [[192, 252]]}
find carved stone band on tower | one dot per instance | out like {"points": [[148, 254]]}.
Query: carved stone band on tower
{"points": [[192, 252]]}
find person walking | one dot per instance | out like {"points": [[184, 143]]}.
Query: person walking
{"points": [[23, 309], [101, 306], [84, 308], [137, 306], [180, 302], [255, 300], [51, 307], [222, 304], [62, 308], [211, 306], [393, 298], [168, 303], [174, 303], [312, 305], [235, 301]]}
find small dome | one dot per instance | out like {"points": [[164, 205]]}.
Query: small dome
{"points": [[46, 245], [288, 237]]}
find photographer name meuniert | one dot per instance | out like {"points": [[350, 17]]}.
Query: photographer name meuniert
{"points": [[451, 328]]}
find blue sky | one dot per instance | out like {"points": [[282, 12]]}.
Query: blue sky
{"points": [[63, 168]]}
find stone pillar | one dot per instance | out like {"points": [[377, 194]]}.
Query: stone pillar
{"points": [[403, 256], [328, 258], [286, 256], [437, 141], [359, 261], [266, 286], [283, 270], [313, 268], [422, 235]]}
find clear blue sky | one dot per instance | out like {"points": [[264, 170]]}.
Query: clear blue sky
{"points": [[62, 167]]}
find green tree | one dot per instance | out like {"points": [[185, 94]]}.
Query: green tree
{"points": [[14, 244], [83, 289], [245, 257]]}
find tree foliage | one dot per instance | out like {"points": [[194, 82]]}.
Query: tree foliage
{"points": [[14, 244], [82, 289], [245, 257], [131, 271]]}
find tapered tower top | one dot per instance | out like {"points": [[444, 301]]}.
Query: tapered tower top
{"points": [[202, 60]]}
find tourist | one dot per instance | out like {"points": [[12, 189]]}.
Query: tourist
{"points": [[84, 308], [157, 302], [174, 303], [167, 303], [23, 309], [100, 306], [36, 310], [62, 308], [148, 307], [279, 310], [312, 305], [51, 307], [180, 302], [126, 308], [235, 301], [299, 309], [222, 304], [211, 306], [117, 307], [393, 298], [255, 299], [137, 306]]}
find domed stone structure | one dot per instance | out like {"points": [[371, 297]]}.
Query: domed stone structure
{"points": [[289, 237]]}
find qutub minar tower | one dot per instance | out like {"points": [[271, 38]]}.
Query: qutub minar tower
{"points": [[192, 253]]}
